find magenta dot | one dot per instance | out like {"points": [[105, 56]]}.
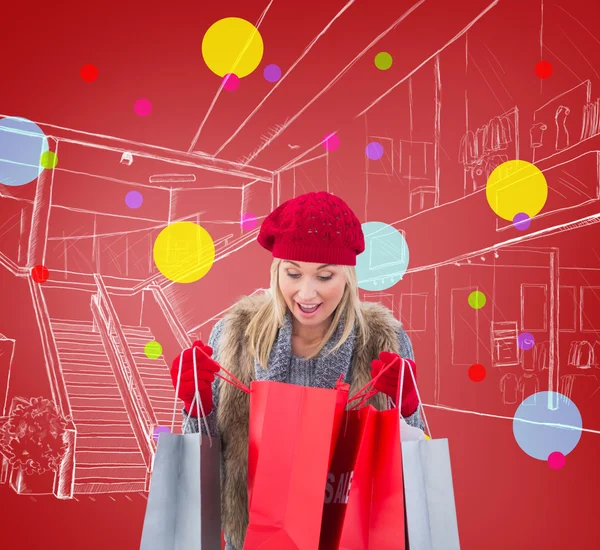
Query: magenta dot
{"points": [[374, 150], [159, 430], [142, 107], [230, 82], [556, 460], [134, 199], [331, 142], [522, 221], [526, 341], [272, 73], [249, 221]]}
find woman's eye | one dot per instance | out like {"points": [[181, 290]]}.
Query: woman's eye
{"points": [[326, 278], [294, 275]]}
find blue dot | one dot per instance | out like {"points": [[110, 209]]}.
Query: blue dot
{"points": [[535, 425], [385, 259], [22, 144], [374, 150]]}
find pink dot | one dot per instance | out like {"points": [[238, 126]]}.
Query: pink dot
{"points": [[249, 221], [331, 142], [142, 107], [556, 460], [230, 82]]}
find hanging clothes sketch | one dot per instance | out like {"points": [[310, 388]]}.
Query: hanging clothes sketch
{"points": [[596, 352], [581, 355], [493, 162], [536, 134], [498, 138], [467, 153], [528, 386], [481, 138], [507, 125], [562, 132], [509, 386], [540, 356]]}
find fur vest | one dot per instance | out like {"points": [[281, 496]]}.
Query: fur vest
{"points": [[234, 405]]}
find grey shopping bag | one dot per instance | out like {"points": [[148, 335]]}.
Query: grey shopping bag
{"points": [[184, 504], [429, 495]]}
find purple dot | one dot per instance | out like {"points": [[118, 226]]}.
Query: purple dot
{"points": [[556, 460], [331, 142], [134, 199], [272, 73], [526, 341], [522, 221], [158, 430], [249, 221], [142, 107], [374, 150], [231, 82]]}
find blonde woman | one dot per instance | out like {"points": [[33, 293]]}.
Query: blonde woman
{"points": [[309, 329]]}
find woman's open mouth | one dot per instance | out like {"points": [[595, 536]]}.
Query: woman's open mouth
{"points": [[308, 309]]}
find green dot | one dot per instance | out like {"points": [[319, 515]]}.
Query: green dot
{"points": [[152, 349], [477, 299], [49, 160], [383, 61]]}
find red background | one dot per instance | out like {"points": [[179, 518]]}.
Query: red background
{"points": [[447, 77]]}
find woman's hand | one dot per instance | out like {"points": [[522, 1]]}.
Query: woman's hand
{"points": [[389, 381], [206, 369]]}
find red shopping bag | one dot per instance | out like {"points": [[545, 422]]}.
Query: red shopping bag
{"points": [[291, 434], [346, 513], [386, 525], [367, 511]]}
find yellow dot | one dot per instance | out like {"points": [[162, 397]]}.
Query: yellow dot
{"points": [[516, 186], [232, 46], [477, 299], [427, 437], [48, 159], [153, 349], [184, 252]]}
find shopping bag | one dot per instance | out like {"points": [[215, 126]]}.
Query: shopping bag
{"points": [[184, 504], [386, 524], [291, 433], [371, 516], [346, 513], [430, 508], [431, 522]]}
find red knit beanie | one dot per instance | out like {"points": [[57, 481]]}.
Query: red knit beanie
{"points": [[315, 227]]}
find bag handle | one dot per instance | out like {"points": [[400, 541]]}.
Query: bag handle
{"points": [[401, 387], [234, 381], [367, 391], [196, 399]]}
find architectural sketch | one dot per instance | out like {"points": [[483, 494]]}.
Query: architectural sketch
{"points": [[443, 128]]}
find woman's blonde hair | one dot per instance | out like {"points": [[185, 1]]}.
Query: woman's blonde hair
{"points": [[262, 329]]}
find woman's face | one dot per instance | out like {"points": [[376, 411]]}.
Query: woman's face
{"points": [[311, 291]]}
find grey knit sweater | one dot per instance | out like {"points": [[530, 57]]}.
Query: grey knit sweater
{"points": [[322, 371]]}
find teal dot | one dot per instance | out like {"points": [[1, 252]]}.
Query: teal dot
{"points": [[385, 259]]}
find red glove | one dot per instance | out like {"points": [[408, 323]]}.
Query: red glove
{"points": [[389, 381], [206, 369]]}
